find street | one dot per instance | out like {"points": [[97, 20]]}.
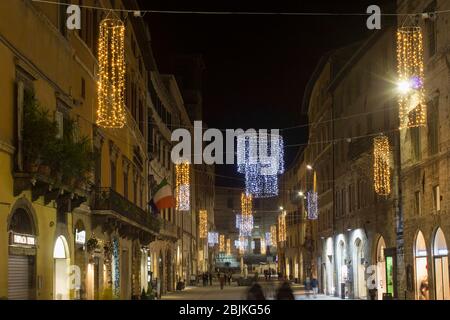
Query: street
{"points": [[235, 292]]}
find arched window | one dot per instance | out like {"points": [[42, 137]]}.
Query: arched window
{"points": [[421, 268], [441, 276], [21, 222]]}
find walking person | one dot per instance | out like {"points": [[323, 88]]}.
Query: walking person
{"points": [[307, 287], [222, 280], [315, 287], [230, 276], [210, 278]]}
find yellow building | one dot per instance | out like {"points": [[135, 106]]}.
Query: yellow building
{"points": [[62, 240]]}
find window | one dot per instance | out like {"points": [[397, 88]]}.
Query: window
{"points": [[125, 184], [415, 143], [417, 203], [436, 198], [113, 176], [433, 127]]}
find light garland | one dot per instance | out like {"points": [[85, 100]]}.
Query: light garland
{"points": [[213, 238], [182, 188], [116, 266], [312, 205], [246, 204], [228, 246], [412, 105], [268, 236], [381, 168], [243, 245], [203, 224], [244, 224], [222, 243], [261, 162], [111, 111], [263, 246], [273, 235], [282, 227]]}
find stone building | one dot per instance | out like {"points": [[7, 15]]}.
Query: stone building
{"points": [[424, 166]]}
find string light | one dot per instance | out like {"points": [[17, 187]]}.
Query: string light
{"points": [[261, 158], [282, 227], [182, 188], [312, 205], [213, 238], [246, 204], [243, 245], [412, 105], [268, 236], [228, 247], [244, 224], [222, 243], [203, 224], [381, 169], [273, 235], [111, 83], [263, 246]]}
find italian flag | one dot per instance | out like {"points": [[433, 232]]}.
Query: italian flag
{"points": [[162, 197]]}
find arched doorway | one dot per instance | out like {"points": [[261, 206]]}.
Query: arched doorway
{"points": [[22, 256], [421, 268], [342, 272], [381, 268], [440, 257], [61, 259], [359, 270]]}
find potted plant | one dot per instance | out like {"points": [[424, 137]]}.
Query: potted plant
{"points": [[91, 244]]}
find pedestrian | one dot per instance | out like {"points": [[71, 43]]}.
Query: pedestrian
{"points": [[230, 275], [307, 286], [255, 292], [285, 292], [373, 291], [222, 280], [315, 287], [210, 278]]}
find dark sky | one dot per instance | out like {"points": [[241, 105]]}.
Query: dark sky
{"points": [[256, 66]]}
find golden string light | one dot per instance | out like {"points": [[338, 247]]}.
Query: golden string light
{"points": [[111, 111], [246, 204], [182, 188], [412, 105], [228, 246], [203, 224], [381, 169], [273, 235], [282, 227], [263, 246], [222, 243], [242, 245]]}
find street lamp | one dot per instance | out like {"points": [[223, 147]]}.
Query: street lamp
{"points": [[301, 194], [281, 208], [309, 167]]}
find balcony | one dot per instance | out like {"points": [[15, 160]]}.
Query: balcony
{"points": [[108, 202]]}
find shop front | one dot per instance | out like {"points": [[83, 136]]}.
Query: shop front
{"points": [[61, 258], [22, 256], [421, 268]]}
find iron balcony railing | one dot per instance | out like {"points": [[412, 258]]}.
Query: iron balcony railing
{"points": [[108, 199]]}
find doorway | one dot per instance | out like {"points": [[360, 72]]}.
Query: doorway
{"points": [[440, 257], [61, 269], [421, 268], [381, 268]]}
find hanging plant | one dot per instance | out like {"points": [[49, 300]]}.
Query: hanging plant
{"points": [[91, 244]]}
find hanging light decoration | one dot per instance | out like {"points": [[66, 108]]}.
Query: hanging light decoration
{"points": [[222, 243], [111, 111], [182, 189], [228, 246], [312, 205], [244, 224], [246, 204], [381, 169], [203, 224], [213, 238], [282, 227], [268, 237], [263, 246], [273, 235], [412, 105], [243, 245], [260, 158]]}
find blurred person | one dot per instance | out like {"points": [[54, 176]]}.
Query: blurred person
{"points": [[255, 292], [285, 292], [315, 287]]}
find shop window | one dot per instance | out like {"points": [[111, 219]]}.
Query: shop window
{"points": [[441, 274], [421, 268]]}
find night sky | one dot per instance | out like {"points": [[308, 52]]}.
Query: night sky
{"points": [[256, 66]]}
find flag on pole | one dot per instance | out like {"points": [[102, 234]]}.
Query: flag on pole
{"points": [[162, 197]]}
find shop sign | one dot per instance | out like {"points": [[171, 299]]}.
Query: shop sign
{"points": [[80, 237], [23, 239]]}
